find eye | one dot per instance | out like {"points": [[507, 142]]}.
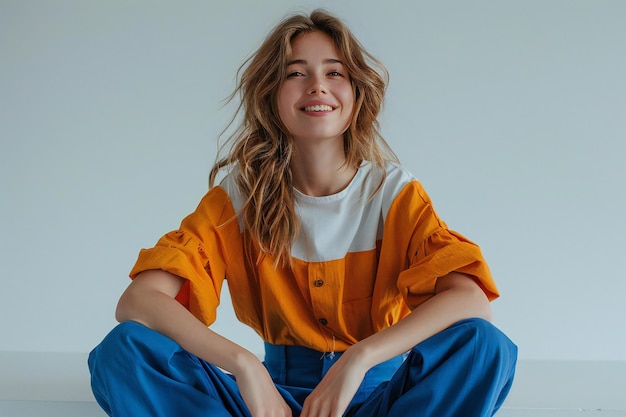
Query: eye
{"points": [[335, 74], [295, 74]]}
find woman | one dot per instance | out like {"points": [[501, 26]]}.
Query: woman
{"points": [[367, 303]]}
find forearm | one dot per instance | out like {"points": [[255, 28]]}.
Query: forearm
{"points": [[457, 297], [150, 301]]}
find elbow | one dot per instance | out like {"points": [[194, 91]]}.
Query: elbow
{"points": [[466, 295], [487, 312], [147, 295], [481, 304], [124, 308], [120, 310]]}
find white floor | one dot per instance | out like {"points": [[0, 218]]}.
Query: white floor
{"points": [[91, 409], [57, 385]]}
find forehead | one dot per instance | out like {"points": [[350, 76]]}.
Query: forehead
{"points": [[313, 44]]}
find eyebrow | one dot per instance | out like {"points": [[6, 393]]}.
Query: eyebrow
{"points": [[304, 61]]}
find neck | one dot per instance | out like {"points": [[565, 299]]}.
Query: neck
{"points": [[321, 171]]}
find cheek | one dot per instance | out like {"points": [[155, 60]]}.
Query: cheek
{"points": [[287, 95], [283, 103], [348, 99]]}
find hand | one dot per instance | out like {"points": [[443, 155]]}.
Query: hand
{"points": [[333, 394], [260, 394]]}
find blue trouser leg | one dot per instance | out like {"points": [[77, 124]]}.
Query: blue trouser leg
{"points": [[138, 372], [464, 371]]}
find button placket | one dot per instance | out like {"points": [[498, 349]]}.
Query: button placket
{"points": [[318, 283], [319, 296]]}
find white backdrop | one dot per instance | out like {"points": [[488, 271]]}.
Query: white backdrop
{"points": [[512, 114]]}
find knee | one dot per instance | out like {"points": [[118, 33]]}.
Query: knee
{"points": [[124, 336], [125, 344], [125, 331], [487, 333], [490, 343]]}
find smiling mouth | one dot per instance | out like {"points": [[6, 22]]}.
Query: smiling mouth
{"points": [[318, 108]]}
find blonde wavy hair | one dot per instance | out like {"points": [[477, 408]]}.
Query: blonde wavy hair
{"points": [[260, 147]]}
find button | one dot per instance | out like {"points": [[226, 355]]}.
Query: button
{"points": [[318, 282], [323, 321]]}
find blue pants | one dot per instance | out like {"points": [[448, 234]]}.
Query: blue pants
{"points": [[464, 371]]}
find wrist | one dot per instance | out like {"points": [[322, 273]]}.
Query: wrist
{"points": [[361, 355], [244, 362]]}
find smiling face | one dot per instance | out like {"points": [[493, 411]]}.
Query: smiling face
{"points": [[316, 100]]}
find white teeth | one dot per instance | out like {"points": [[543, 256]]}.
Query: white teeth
{"points": [[318, 108]]}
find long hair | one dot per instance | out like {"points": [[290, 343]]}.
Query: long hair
{"points": [[261, 149]]}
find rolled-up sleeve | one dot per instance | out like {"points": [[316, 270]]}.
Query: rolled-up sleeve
{"points": [[194, 252], [433, 250]]}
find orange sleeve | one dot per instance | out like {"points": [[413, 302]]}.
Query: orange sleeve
{"points": [[194, 252], [433, 249]]}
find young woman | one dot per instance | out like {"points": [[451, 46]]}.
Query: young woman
{"points": [[368, 304]]}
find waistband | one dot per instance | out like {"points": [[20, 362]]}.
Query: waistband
{"points": [[304, 367]]}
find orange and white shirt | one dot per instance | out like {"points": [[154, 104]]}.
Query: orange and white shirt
{"points": [[360, 263]]}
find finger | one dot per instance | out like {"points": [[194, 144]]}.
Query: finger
{"points": [[310, 408]]}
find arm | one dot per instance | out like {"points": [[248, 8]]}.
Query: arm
{"points": [[149, 300], [457, 297]]}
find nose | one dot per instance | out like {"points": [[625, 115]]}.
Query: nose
{"points": [[317, 89]]}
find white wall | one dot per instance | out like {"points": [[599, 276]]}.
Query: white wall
{"points": [[513, 115]]}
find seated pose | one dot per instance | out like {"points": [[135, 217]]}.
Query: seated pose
{"points": [[368, 305]]}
